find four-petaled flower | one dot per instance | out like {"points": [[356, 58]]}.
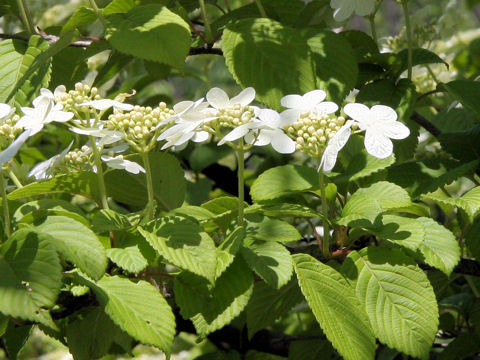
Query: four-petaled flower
{"points": [[189, 116], [311, 101], [263, 130], [44, 111], [345, 8], [218, 99], [380, 125]]}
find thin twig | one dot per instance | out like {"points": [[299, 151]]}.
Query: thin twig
{"points": [[427, 125]]}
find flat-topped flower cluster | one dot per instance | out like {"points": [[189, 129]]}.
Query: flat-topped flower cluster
{"points": [[308, 124]]}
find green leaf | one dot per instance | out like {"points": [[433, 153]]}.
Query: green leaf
{"points": [[465, 91], [270, 260], [82, 183], [267, 55], [465, 346], [310, 349], [183, 243], [129, 258], [227, 250], [91, 336], [18, 57], [115, 63], [150, 32], [76, 242], [402, 231], [139, 309], [462, 145], [363, 165], [420, 177], [439, 247], [363, 45], [273, 230], [118, 6], [470, 201], [15, 338], [283, 180], [82, 16], [225, 210], [168, 187], [31, 276], [279, 302], [45, 204], [368, 203], [283, 210], [210, 308], [207, 154], [335, 63], [419, 57], [397, 297], [336, 308], [108, 220]]}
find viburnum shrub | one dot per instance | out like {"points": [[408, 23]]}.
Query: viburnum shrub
{"points": [[257, 174]]}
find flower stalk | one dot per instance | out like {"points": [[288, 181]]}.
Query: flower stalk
{"points": [[408, 29], [148, 174], [241, 181], [326, 227], [261, 9], [6, 211], [25, 15], [100, 176]]}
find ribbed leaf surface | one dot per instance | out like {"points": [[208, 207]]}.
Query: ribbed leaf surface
{"points": [[30, 276], [270, 260], [129, 258], [76, 242], [470, 201], [211, 308], [283, 180], [227, 250], [368, 203], [138, 308], [278, 302], [267, 55], [273, 230], [150, 32], [397, 298], [182, 242], [336, 308]]}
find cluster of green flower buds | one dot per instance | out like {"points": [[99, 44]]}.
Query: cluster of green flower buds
{"points": [[8, 131], [233, 116], [312, 132], [72, 99], [78, 159], [138, 124]]}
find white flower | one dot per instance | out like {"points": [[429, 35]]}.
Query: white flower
{"points": [[335, 144], [345, 8], [44, 111], [262, 131], [189, 116], [105, 104], [12, 149], [119, 163], [57, 93], [380, 125], [106, 136], [218, 98], [43, 170], [311, 101], [6, 111]]}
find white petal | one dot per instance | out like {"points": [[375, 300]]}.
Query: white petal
{"points": [[358, 112], [269, 118], [217, 98], [244, 98], [6, 111], [263, 138], [59, 116], [235, 134], [365, 7], [383, 113], [59, 91], [183, 106], [395, 130], [282, 143], [326, 107], [329, 158], [12, 149], [377, 144], [291, 101], [344, 10], [39, 171], [312, 98], [289, 116], [200, 136], [341, 137], [105, 104], [47, 93]]}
